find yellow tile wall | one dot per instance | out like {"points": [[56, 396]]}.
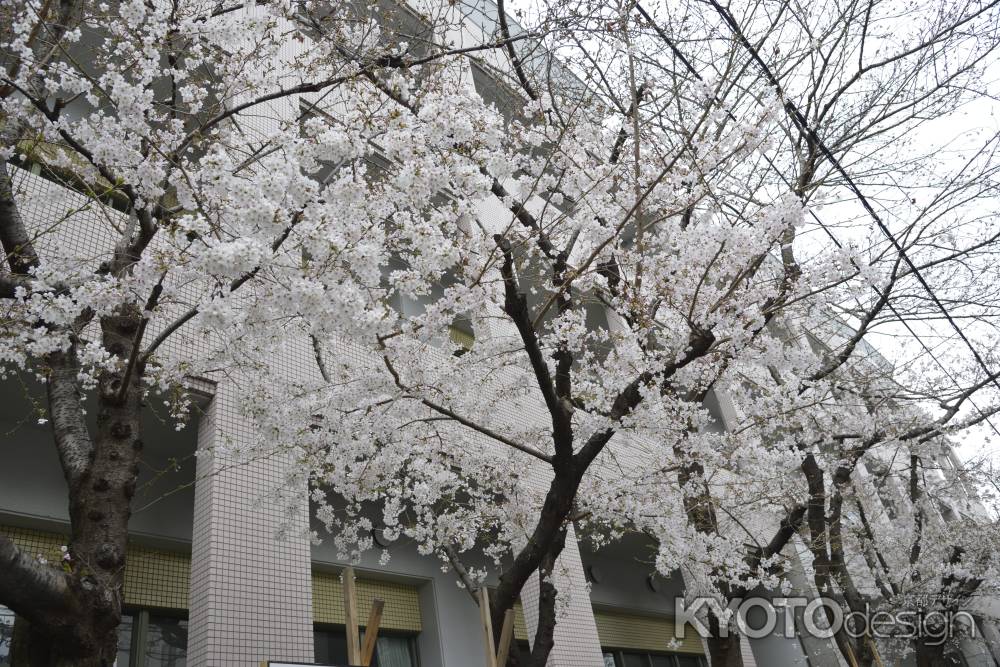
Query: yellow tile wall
{"points": [[520, 627], [161, 579], [153, 578], [402, 602], [157, 578], [648, 633]]}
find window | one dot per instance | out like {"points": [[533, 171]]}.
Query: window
{"points": [[497, 94], [124, 641], [162, 638], [631, 658], [395, 652], [330, 646], [391, 650], [166, 642], [6, 635], [635, 659], [152, 639], [462, 334]]}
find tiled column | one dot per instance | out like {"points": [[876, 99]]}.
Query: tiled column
{"points": [[576, 640], [251, 594], [821, 652], [991, 637]]}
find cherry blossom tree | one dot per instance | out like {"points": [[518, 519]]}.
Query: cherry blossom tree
{"points": [[525, 265]]}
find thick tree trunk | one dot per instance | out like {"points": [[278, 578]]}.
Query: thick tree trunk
{"points": [[545, 632], [545, 545], [32, 647], [929, 655], [722, 651], [69, 611], [100, 499]]}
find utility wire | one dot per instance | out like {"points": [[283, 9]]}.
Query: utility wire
{"points": [[803, 126]]}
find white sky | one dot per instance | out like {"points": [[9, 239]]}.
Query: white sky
{"points": [[953, 137]]}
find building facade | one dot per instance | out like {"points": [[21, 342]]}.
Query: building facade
{"points": [[216, 577]]}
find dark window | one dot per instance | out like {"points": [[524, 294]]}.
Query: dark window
{"points": [[509, 104], [626, 658], [144, 640], [6, 635], [689, 661], [330, 647], [125, 641], [635, 659], [152, 639], [166, 642], [391, 650]]}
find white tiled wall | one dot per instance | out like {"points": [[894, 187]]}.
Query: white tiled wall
{"points": [[251, 596]]}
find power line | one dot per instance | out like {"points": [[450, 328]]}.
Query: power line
{"points": [[803, 126]]}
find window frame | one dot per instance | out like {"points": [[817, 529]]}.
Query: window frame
{"points": [[618, 654], [411, 637], [5, 614], [140, 631]]}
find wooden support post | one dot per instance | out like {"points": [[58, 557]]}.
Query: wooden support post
{"points": [[351, 618], [874, 649], [484, 615], [506, 635], [851, 657], [371, 633]]}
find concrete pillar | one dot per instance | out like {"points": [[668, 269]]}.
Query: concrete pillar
{"points": [[251, 593], [990, 636]]}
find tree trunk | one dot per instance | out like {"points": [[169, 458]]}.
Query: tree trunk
{"points": [[722, 651], [32, 647], [929, 655], [545, 632], [545, 545], [100, 500], [700, 510]]}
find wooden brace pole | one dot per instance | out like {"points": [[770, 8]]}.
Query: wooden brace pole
{"points": [[498, 659], [371, 633], [506, 635], [484, 615], [351, 617]]}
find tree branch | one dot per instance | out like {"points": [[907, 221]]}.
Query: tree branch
{"points": [[233, 286], [31, 589], [515, 60], [69, 426], [17, 246], [463, 574], [516, 307], [447, 412]]}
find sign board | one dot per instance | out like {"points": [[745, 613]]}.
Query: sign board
{"points": [[271, 663]]}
